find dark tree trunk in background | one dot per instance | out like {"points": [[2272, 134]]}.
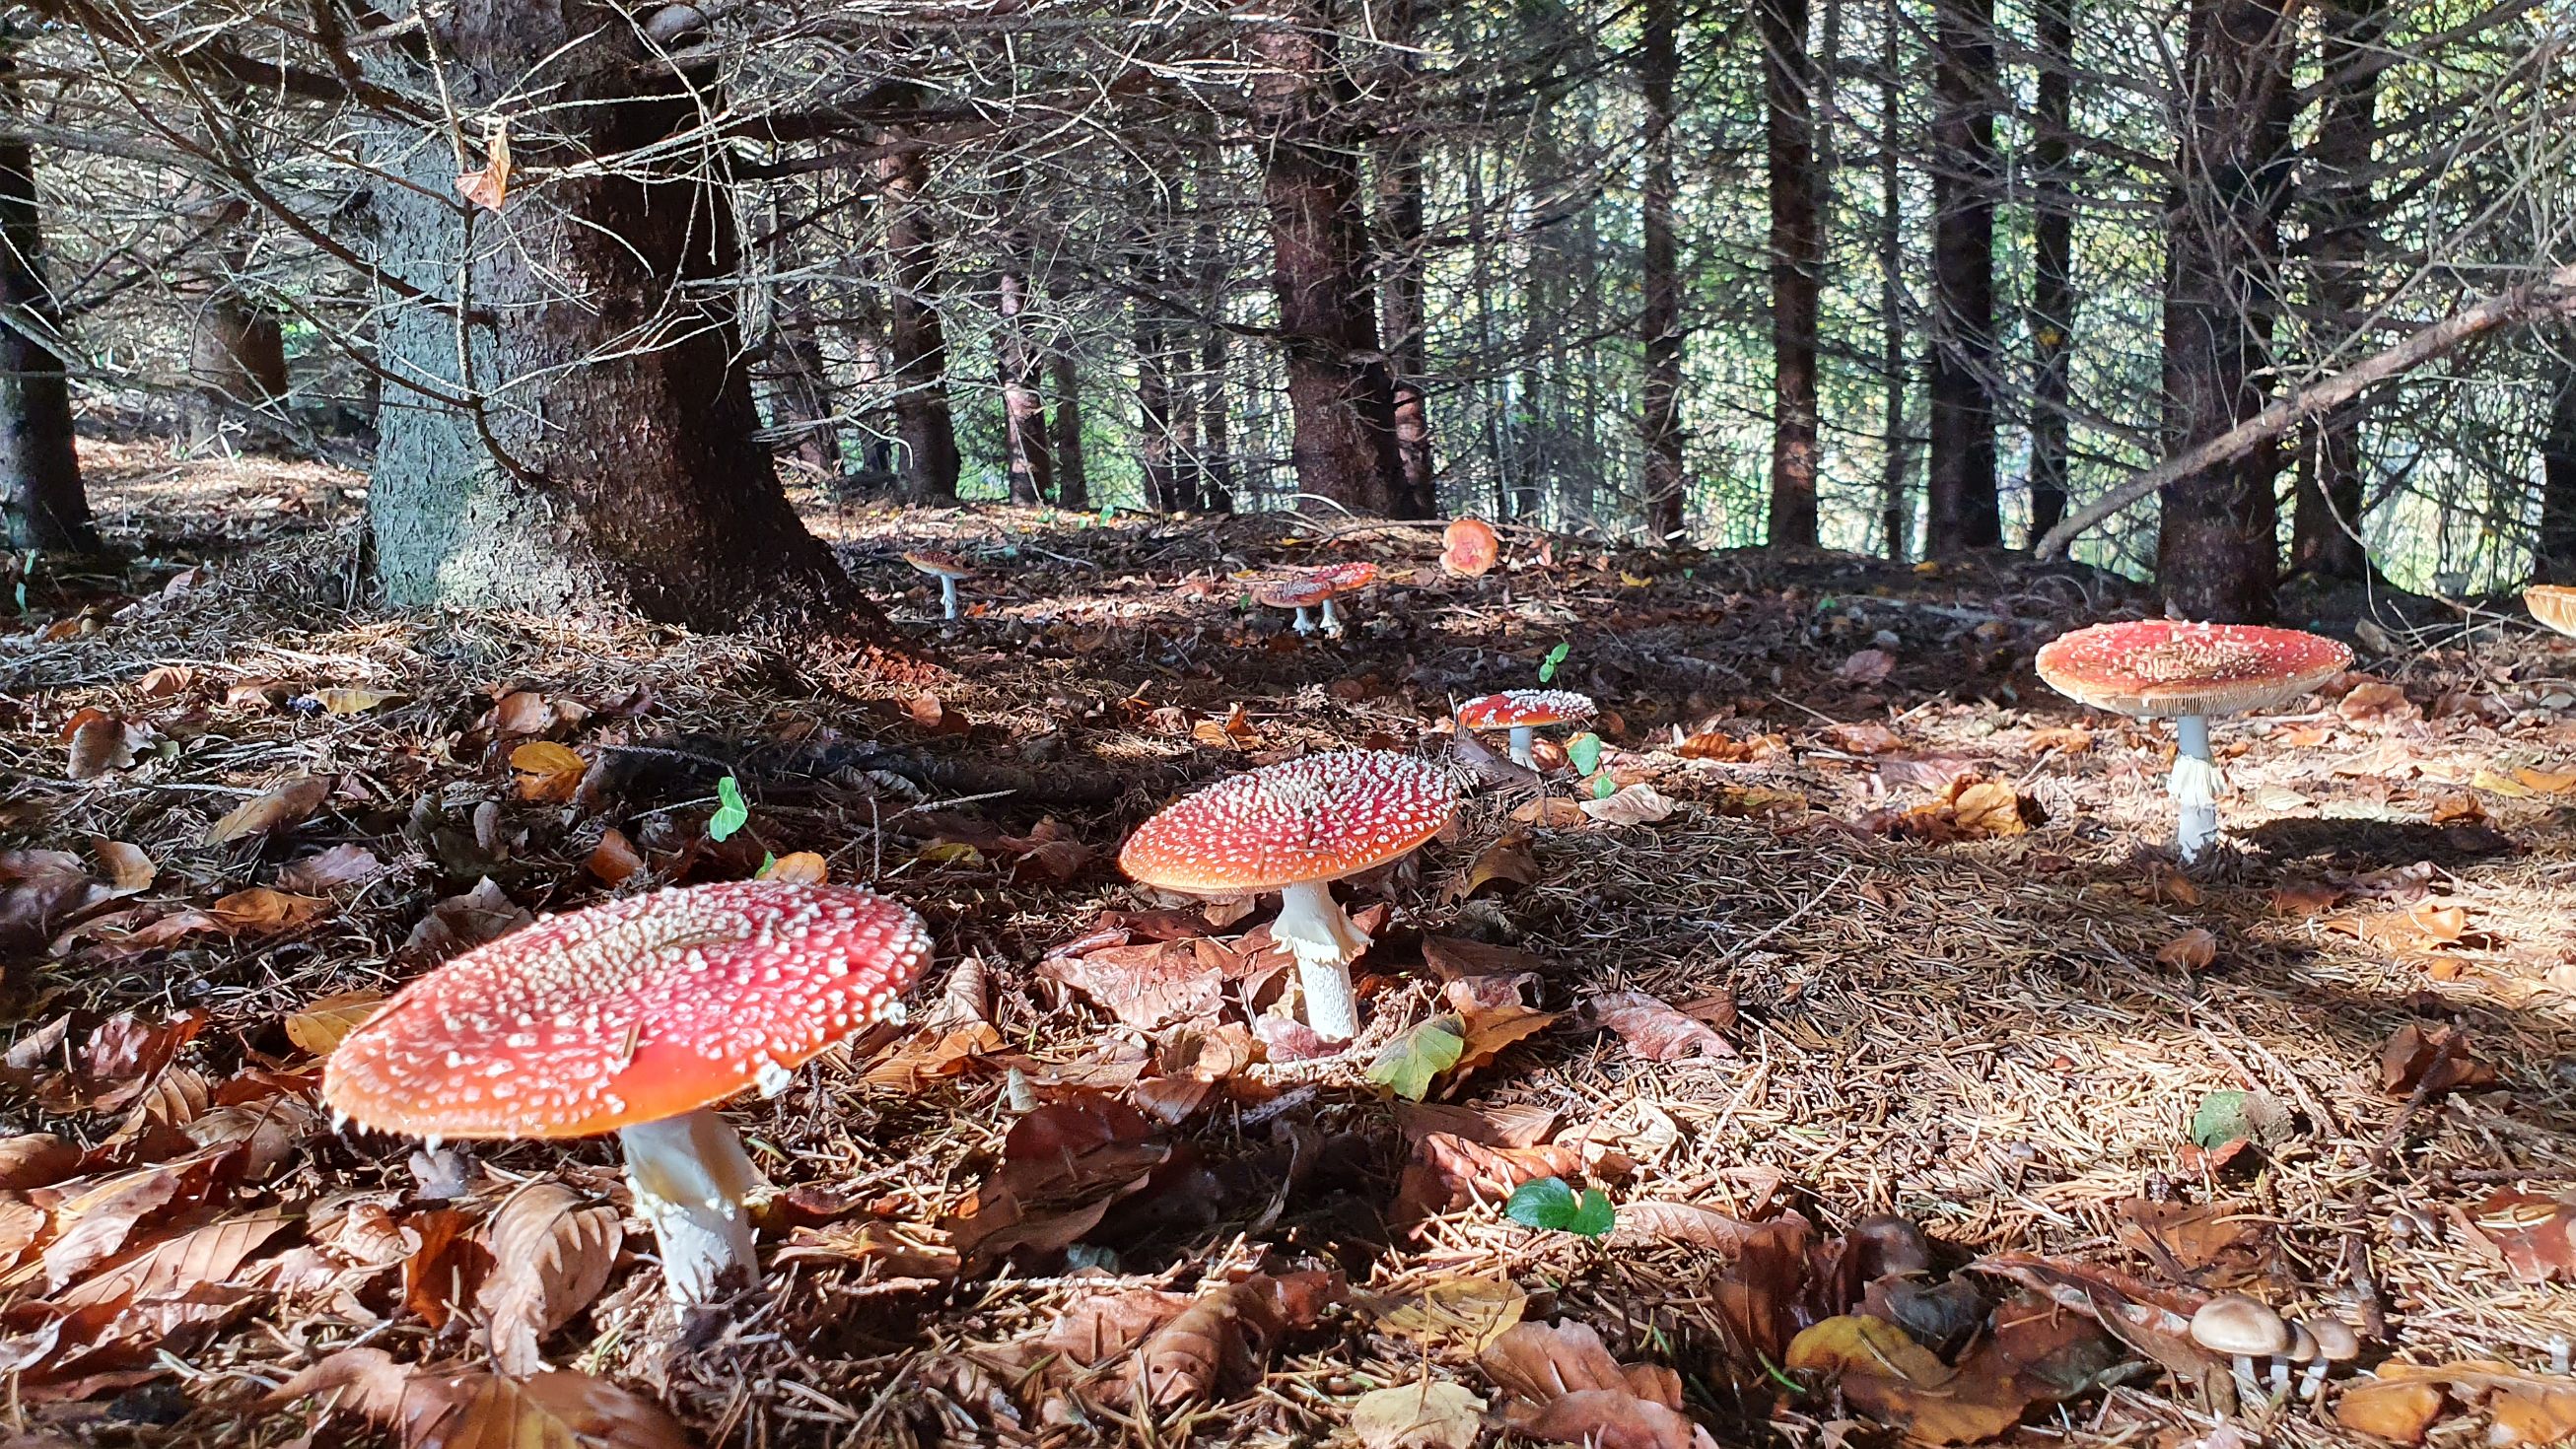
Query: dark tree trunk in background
{"points": [[802, 418], [2554, 554], [572, 466], [1399, 216], [1341, 395], [1660, 324], [2216, 557], [1963, 511], [869, 368], [1072, 488], [42, 504], [917, 360], [1797, 267], [1160, 453], [1895, 485], [236, 348], [1216, 447], [2052, 282], [1024, 424], [2327, 515]]}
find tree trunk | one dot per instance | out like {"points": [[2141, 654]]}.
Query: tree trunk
{"points": [[569, 466], [1660, 324], [2554, 555], [2325, 523], [917, 359], [1895, 485], [1797, 268], [1341, 395], [1962, 506], [2216, 558], [1024, 423], [801, 414], [42, 504], [1216, 446], [2052, 285], [1537, 411], [1401, 247], [236, 347], [1072, 488]]}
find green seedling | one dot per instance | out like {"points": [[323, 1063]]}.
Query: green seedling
{"points": [[1547, 1203], [731, 813]]}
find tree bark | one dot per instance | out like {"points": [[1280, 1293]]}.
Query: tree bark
{"points": [[236, 346], [42, 503], [869, 366], [1401, 250], [1341, 394], [1962, 508], [1024, 423], [1157, 359], [2052, 284], [1216, 474], [2554, 553], [1660, 324], [2326, 519], [917, 348], [2216, 558], [1072, 487], [1797, 267], [801, 413], [543, 460], [1896, 483]]}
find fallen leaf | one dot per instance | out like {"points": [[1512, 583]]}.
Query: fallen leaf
{"points": [[1151, 986], [1638, 804], [2546, 782], [321, 1026], [2191, 951], [1654, 1029], [485, 913], [328, 870], [1407, 1065], [165, 681], [802, 867], [551, 1253], [2065, 739], [262, 910], [282, 807], [1864, 738], [1550, 812], [36, 1159], [2433, 1060], [1567, 1388], [1510, 860], [2377, 701], [614, 858], [548, 771], [2216, 1244], [2532, 1235], [1867, 666], [349, 701], [1447, 1173], [1679, 1222], [1432, 1414], [129, 870], [1466, 1313], [2400, 1410], [1897, 1381], [97, 745]]}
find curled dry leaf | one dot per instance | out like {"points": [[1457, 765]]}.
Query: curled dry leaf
{"points": [[614, 858], [1432, 1414], [485, 913], [260, 910], [548, 771], [97, 745], [1509, 861], [1654, 1029], [802, 867], [1447, 1173], [328, 870], [551, 1254], [2193, 950], [281, 807], [1638, 804], [2433, 1060], [321, 1026], [129, 870], [556, 1410], [1566, 1387], [36, 1159]]}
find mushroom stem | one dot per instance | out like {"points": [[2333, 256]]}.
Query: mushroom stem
{"points": [[2312, 1384], [689, 1174], [2195, 788], [1323, 942], [2247, 1390], [1305, 622], [1522, 737], [947, 597], [1332, 624]]}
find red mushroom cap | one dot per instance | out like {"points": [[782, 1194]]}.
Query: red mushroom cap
{"points": [[2553, 605], [1514, 708], [1319, 818], [630, 1012], [939, 565], [1302, 592], [1469, 546], [2161, 668], [1342, 578]]}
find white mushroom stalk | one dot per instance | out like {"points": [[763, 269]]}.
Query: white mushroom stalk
{"points": [[690, 1175], [947, 597], [1332, 622], [1306, 621], [1523, 738], [1323, 942], [2195, 784]]}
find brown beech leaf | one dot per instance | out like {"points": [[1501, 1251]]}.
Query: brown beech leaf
{"points": [[1863, 738], [551, 1253], [1654, 1029], [2433, 1060], [1431, 1414], [2532, 1235], [1466, 1313], [327, 1021], [1638, 804], [485, 913], [1509, 861], [2393, 1405], [1679, 1222], [325, 871], [547, 771], [614, 858], [167, 1283], [489, 187], [2225, 1243], [1567, 1388], [281, 807], [1447, 1173], [561, 1409], [260, 910], [129, 870], [1195, 1352], [2191, 951], [36, 1159], [97, 745], [447, 1266], [1152, 985], [1890, 1377]]}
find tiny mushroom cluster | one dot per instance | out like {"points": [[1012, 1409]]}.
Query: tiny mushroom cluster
{"points": [[1523, 711], [1296, 827], [2246, 1330], [1316, 588], [948, 568], [637, 1017], [2185, 672]]}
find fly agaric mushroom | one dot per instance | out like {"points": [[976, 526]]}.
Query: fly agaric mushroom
{"points": [[2553, 605], [2244, 1330], [1296, 828], [2166, 669], [948, 568], [1522, 711], [1301, 593], [637, 1017], [1469, 547]]}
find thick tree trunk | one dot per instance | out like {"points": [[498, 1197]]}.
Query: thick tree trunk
{"points": [[236, 348], [917, 349], [1341, 394], [2216, 557], [1072, 487], [1797, 267], [2554, 555], [1963, 511], [1024, 423], [2326, 520], [569, 466], [42, 503], [1659, 325], [2052, 284], [1895, 520]]}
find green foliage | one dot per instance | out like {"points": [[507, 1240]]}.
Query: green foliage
{"points": [[731, 813], [1547, 1203], [1584, 752], [1409, 1062]]}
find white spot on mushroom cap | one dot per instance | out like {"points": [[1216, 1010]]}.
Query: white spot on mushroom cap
{"points": [[1317, 818]]}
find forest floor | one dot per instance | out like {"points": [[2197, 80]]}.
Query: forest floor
{"points": [[1868, 999]]}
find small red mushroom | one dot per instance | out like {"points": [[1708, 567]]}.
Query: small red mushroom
{"points": [[2168, 669], [1296, 828], [948, 568], [1522, 711], [1469, 547], [637, 1017], [1317, 586]]}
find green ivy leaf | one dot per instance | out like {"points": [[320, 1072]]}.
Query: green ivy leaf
{"points": [[1548, 1204], [1584, 751], [1547, 667], [1409, 1062], [1603, 787], [731, 813]]}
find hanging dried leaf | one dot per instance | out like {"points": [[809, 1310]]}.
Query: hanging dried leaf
{"points": [[551, 1253], [489, 187]]}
